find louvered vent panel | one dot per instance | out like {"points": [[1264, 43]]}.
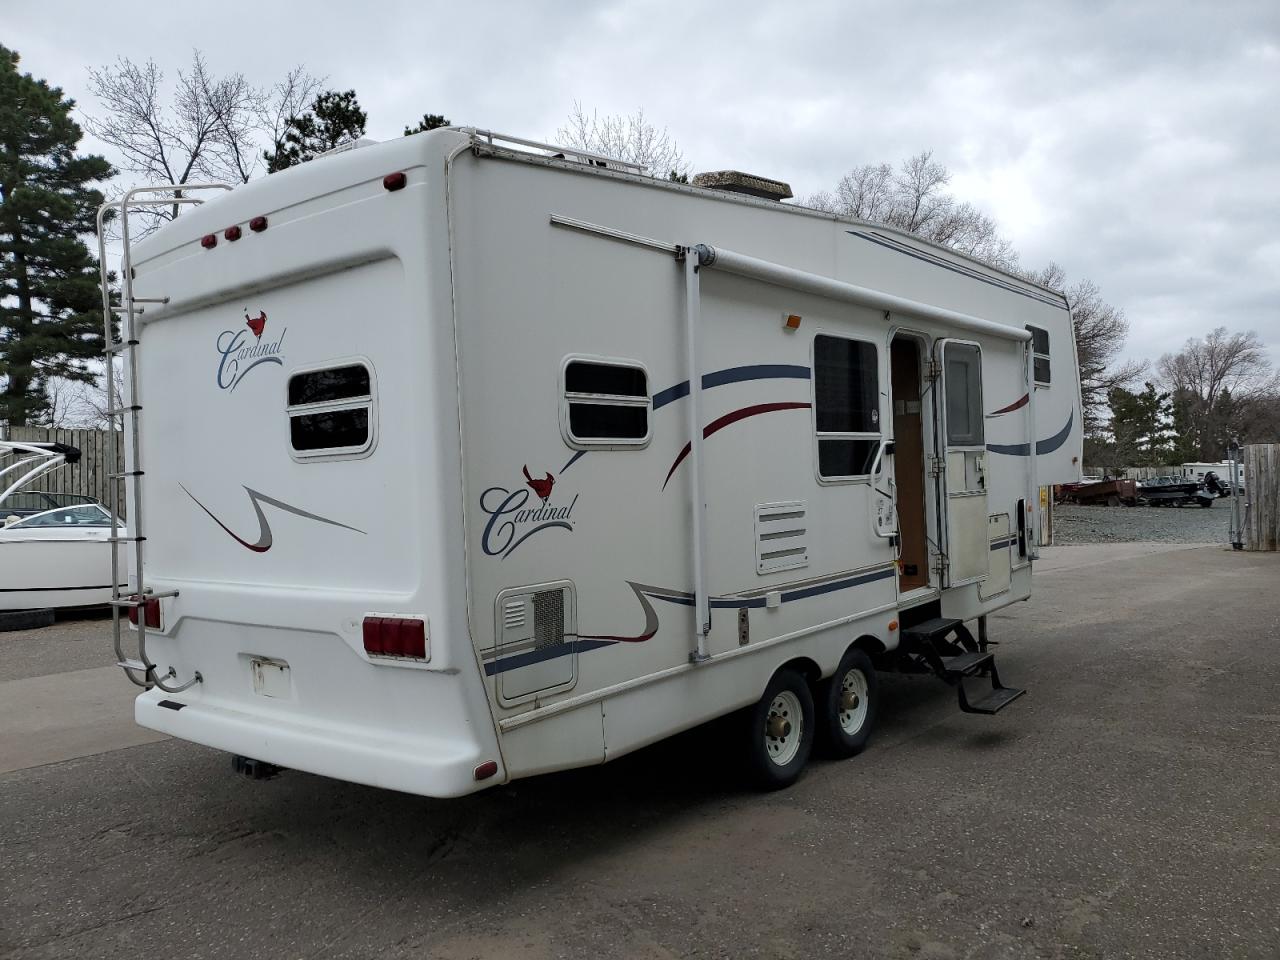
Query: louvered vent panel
{"points": [[513, 615], [781, 536]]}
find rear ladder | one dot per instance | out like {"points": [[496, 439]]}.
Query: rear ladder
{"points": [[140, 669]]}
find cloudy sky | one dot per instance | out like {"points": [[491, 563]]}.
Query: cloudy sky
{"points": [[1136, 143]]}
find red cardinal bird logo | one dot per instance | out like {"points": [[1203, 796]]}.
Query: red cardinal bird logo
{"points": [[541, 487], [257, 324]]}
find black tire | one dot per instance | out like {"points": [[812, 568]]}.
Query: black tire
{"points": [[845, 726], [1113, 501], [25, 619], [765, 752]]}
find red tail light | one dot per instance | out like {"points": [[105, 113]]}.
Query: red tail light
{"points": [[232, 232], [395, 637], [153, 613], [394, 181], [209, 241], [258, 224], [486, 770]]}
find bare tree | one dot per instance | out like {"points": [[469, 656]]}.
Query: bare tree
{"points": [[629, 137], [208, 128], [1223, 386], [1101, 331], [914, 198]]}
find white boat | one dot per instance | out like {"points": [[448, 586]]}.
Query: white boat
{"points": [[55, 548]]}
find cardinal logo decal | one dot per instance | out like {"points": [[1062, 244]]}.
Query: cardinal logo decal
{"points": [[238, 354], [512, 518]]}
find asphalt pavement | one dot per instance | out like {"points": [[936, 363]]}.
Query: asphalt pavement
{"points": [[1128, 806]]}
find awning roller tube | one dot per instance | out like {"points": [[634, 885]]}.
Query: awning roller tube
{"points": [[793, 279]]}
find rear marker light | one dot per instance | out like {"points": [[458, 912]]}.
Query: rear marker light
{"points": [[232, 233], [486, 769], [258, 224], [395, 637], [209, 241], [153, 613], [394, 181]]}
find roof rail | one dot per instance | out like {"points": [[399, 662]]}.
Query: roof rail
{"points": [[584, 156]]}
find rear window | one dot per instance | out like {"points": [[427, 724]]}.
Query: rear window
{"points": [[332, 412]]}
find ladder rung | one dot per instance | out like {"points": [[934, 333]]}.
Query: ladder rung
{"points": [[129, 664], [125, 539], [133, 408], [127, 473], [121, 345], [126, 603], [150, 300]]}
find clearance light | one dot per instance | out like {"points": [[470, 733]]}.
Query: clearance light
{"points": [[209, 241], [893, 625], [232, 233], [258, 224], [791, 322], [395, 181], [395, 637], [153, 613], [486, 770]]}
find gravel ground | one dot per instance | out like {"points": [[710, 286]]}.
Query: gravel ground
{"points": [[1077, 524]]}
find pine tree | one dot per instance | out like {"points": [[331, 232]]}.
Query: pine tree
{"points": [[50, 299], [334, 119], [429, 121]]}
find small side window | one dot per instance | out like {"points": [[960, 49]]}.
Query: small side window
{"points": [[846, 388], [331, 411], [1040, 354], [606, 403]]}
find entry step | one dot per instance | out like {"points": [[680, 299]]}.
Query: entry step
{"points": [[931, 630], [967, 664], [996, 700]]}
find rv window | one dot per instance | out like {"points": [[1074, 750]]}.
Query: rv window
{"points": [[846, 390], [607, 403], [331, 411], [963, 375], [1040, 354]]}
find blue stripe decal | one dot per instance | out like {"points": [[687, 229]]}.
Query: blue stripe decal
{"points": [[1001, 544], [890, 244], [572, 460], [517, 660], [1042, 446], [758, 371]]}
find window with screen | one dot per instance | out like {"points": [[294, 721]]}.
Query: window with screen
{"points": [[963, 385], [1040, 354], [331, 411], [846, 400], [606, 403]]}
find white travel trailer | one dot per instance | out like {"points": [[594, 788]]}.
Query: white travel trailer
{"points": [[462, 458]]}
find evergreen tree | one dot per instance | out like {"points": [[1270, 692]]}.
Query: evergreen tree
{"points": [[1143, 426], [334, 119], [429, 121], [50, 299]]}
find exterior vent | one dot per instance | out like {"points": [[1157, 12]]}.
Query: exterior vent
{"points": [[534, 642], [734, 181], [781, 536]]}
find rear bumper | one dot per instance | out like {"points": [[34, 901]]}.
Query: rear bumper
{"points": [[425, 765]]}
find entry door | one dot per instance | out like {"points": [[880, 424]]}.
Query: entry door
{"points": [[964, 474]]}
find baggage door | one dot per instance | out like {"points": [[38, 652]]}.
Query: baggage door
{"points": [[963, 475]]}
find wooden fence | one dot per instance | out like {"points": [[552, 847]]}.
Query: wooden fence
{"points": [[89, 476], [1262, 487]]}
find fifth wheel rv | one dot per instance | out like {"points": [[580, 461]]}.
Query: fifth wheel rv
{"points": [[463, 458]]}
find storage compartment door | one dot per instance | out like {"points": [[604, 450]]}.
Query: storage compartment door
{"points": [[964, 478]]}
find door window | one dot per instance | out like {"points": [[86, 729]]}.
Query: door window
{"points": [[964, 395]]}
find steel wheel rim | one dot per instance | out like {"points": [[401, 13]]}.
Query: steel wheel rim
{"points": [[853, 701], [783, 728]]}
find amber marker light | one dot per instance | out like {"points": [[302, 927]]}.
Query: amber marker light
{"points": [[893, 625], [791, 322]]}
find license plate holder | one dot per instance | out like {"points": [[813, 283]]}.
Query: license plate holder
{"points": [[271, 677]]}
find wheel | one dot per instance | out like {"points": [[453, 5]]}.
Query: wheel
{"points": [[1113, 501], [25, 619], [780, 731], [847, 705]]}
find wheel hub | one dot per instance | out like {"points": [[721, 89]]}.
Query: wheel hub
{"points": [[849, 700], [778, 727]]}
